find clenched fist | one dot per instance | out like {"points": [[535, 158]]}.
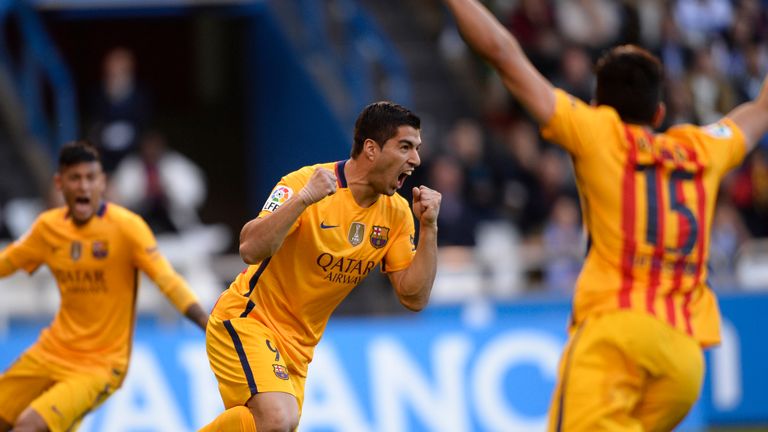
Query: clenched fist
{"points": [[320, 185], [426, 205]]}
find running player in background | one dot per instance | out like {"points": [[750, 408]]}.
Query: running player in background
{"points": [[642, 309], [323, 229], [94, 250]]}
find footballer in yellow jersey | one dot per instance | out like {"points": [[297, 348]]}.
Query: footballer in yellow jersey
{"points": [[94, 250], [642, 309], [323, 229]]}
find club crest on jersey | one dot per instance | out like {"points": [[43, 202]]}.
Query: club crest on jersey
{"points": [[356, 233], [76, 250], [280, 371], [379, 236], [279, 196], [100, 249]]}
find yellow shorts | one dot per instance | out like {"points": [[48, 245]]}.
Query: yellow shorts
{"points": [[246, 360], [626, 371], [62, 397]]}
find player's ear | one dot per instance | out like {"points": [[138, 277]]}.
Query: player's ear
{"points": [[57, 180], [370, 149], [102, 181], [658, 116]]}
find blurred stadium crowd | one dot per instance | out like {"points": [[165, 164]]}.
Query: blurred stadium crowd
{"points": [[510, 222]]}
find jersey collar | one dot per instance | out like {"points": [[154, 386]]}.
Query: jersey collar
{"points": [[100, 212], [341, 178]]}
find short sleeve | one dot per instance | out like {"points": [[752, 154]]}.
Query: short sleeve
{"points": [[573, 123], [145, 253], [29, 251], [284, 190], [400, 254], [725, 141], [149, 259]]}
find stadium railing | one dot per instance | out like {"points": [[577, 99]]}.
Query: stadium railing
{"points": [[37, 68]]}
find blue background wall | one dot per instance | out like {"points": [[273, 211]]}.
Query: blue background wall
{"points": [[479, 368]]}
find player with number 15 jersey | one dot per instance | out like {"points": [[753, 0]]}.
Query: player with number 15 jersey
{"points": [[649, 238]]}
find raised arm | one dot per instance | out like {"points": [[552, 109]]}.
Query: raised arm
{"points": [[260, 238], [414, 284], [483, 32], [752, 117]]}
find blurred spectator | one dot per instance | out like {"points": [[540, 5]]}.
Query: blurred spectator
{"points": [[749, 82], [650, 14], [533, 23], [712, 93], [699, 20], [161, 185], [458, 220], [755, 18], [728, 234], [741, 36], [591, 23], [119, 110], [467, 143], [576, 75], [517, 166], [563, 243], [673, 52], [749, 192], [555, 179], [679, 103]]}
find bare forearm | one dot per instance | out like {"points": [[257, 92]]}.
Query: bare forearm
{"points": [[416, 284], [262, 237], [197, 315], [752, 117], [485, 34]]}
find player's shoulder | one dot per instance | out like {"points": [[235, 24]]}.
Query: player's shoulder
{"points": [[398, 204], [121, 217], [53, 215], [723, 129], [399, 201], [118, 212], [304, 173], [567, 101], [51, 218]]}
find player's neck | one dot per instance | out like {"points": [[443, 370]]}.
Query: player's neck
{"points": [[359, 183]]}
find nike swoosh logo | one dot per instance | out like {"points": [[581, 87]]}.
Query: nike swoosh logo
{"points": [[324, 226]]}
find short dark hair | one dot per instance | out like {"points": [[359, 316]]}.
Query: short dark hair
{"points": [[379, 121], [629, 79], [75, 152]]}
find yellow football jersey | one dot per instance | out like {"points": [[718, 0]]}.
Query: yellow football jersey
{"points": [[95, 266], [332, 247], [647, 202]]}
